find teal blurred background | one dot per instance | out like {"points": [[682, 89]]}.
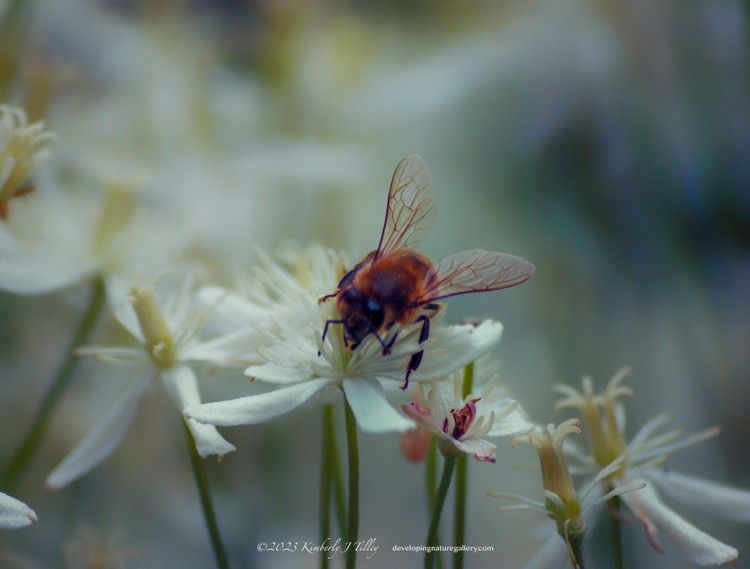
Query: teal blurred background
{"points": [[607, 142]]}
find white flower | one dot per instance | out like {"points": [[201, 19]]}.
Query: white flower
{"points": [[168, 335], [64, 234], [297, 359], [14, 513], [571, 510], [461, 424], [635, 463], [22, 147], [270, 295]]}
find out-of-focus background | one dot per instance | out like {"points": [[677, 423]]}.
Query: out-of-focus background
{"points": [[606, 141]]}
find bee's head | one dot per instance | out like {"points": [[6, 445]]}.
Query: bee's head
{"points": [[361, 315]]}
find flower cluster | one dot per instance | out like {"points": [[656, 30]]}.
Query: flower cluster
{"points": [[282, 339], [628, 470]]}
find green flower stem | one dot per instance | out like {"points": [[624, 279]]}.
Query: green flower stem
{"points": [[201, 483], [431, 485], [431, 474], [613, 504], [353, 519], [432, 534], [31, 443], [326, 481], [576, 553], [338, 479], [330, 477], [462, 475]]}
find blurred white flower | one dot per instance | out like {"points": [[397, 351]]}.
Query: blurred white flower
{"points": [[14, 513], [461, 424], [62, 235], [297, 358], [634, 463], [22, 147], [571, 510], [168, 334]]}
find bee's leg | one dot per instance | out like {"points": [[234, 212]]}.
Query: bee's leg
{"points": [[326, 297], [386, 347], [325, 330], [416, 358]]}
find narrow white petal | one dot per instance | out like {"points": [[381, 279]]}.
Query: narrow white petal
{"points": [[698, 546], [182, 385], [371, 408], [514, 423], [101, 440], [255, 409], [478, 448], [230, 308], [14, 513], [713, 497], [453, 347], [118, 295], [280, 374]]}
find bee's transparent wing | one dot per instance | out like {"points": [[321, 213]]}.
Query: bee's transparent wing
{"points": [[475, 271], [411, 209]]}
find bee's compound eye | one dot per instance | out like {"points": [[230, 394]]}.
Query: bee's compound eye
{"points": [[375, 311]]}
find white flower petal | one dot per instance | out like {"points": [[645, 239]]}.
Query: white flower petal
{"points": [[118, 294], [514, 423], [280, 374], [101, 440], [371, 408], [422, 416], [478, 448], [698, 546], [453, 347], [229, 308], [32, 275], [715, 498], [255, 409], [14, 513], [182, 385]]}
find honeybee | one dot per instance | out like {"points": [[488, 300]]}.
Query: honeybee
{"points": [[396, 284]]}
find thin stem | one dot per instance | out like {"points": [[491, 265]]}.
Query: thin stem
{"points": [[432, 534], [431, 474], [613, 505], [330, 477], [326, 482], [459, 515], [353, 519], [31, 443], [201, 483], [338, 478], [431, 485], [462, 477]]}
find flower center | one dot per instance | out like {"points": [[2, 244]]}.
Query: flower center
{"points": [[462, 419], [156, 333], [22, 147]]}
